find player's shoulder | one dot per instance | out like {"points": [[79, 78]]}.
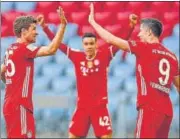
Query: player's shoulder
{"points": [[169, 53]]}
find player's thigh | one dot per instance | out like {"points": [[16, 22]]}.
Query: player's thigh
{"points": [[144, 124], [101, 122], [80, 123], [20, 124], [163, 130]]}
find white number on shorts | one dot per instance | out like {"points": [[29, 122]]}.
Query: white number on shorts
{"points": [[9, 62], [164, 72], [104, 121]]}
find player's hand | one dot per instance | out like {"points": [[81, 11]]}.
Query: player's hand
{"points": [[91, 15], [133, 20], [40, 20], [61, 15]]}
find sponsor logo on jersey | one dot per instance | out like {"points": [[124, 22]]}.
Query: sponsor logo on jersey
{"points": [[89, 64], [96, 62]]}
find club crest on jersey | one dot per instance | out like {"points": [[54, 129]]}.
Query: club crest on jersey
{"points": [[96, 62], [89, 64]]}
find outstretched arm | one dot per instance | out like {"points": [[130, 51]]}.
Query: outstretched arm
{"points": [[41, 22], [107, 36], [54, 45], [3, 69]]}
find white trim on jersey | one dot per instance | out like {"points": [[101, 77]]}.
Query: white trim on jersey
{"points": [[111, 51], [143, 83], [23, 120], [139, 123], [67, 51], [31, 47], [26, 82]]}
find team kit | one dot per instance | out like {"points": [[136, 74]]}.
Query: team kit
{"points": [[156, 69]]}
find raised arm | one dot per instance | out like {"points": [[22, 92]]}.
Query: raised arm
{"points": [[3, 69], [41, 22], [107, 36], [176, 83], [54, 45]]}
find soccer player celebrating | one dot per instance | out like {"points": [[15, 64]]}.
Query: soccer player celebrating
{"points": [[91, 73], [156, 70], [18, 72]]}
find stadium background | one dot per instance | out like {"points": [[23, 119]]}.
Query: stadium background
{"points": [[54, 82]]}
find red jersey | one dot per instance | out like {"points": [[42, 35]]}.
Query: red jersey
{"points": [[156, 67], [19, 62], [91, 75]]}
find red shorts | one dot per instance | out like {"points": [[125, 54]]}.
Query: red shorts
{"points": [[152, 124], [97, 116], [20, 124]]}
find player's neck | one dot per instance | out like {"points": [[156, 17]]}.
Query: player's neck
{"points": [[22, 40], [153, 40], [91, 57]]}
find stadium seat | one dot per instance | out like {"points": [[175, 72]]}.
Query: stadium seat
{"points": [[148, 14], [175, 6], [85, 29], [131, 60], [98, 6], [62, 85], [69, 6], [104, 18], [114, 84], [43, 60], [70, 71], [171, 18], [115, 6], [25, 6], [130, 85], [7, 6], [52, 70], [114, 29], [42, 84], [123, 71], [61, 59], [76, 43], [167, 31], [80, 18], [131, 109], [102, 43], [176, 30], [161, 7], [123, 18], [9, 18], [43, 6], [71, 31], [171, 43], [136, 7]]}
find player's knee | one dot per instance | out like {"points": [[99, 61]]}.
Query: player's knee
{"points": [[71, 136], [106, 136]]}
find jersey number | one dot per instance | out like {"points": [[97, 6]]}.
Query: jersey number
{"points": [[104, 121], [10, 63], [164, 63]]}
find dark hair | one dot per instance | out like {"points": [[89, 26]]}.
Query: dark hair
{"points": [[87, 35], [22, 22], [153, 24]]}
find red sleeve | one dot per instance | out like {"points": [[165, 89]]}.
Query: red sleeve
{"points": [[70, 52], [137, 48], [48, 32], [31, 51]]}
